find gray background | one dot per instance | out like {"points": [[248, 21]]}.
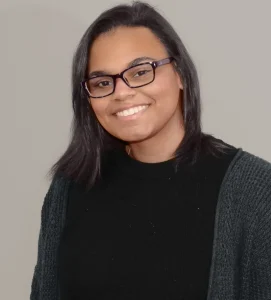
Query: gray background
{"points": [[230, 42]]}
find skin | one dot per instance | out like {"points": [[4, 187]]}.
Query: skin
{"points": [[155, 133]]}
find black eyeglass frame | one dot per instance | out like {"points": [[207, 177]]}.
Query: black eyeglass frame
{"points": [[154, 64]]}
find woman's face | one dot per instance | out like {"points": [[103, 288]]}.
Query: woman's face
{"points": [[111, 53]]}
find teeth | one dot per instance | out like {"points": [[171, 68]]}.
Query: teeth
{"points": [[131, 111]]}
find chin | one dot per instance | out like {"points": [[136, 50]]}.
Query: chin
{"points": [[134, 137]]}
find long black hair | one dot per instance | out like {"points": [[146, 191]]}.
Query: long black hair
{"points": [[89, 142]]}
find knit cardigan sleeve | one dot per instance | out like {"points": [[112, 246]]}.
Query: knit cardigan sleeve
{"points": [[241, 263], [260, 285], [255, 195], [44, 281], [36, 281]]}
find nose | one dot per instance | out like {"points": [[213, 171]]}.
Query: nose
{"points": [[122, 90]]}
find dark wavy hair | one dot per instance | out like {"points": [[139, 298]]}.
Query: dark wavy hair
{"points": [[83, 159]]}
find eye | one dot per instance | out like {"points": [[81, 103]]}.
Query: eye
{"points": [[102, 84], [141, 73]]}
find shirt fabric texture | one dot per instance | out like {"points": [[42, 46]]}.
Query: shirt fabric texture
{"points": [[120, 242]]}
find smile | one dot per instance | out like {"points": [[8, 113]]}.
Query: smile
{"points": [[132, 111]]}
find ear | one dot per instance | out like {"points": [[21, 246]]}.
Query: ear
{"points": [[179, 81], [178, 77]]}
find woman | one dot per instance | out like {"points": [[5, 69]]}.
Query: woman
{"points": [[143, 204]]}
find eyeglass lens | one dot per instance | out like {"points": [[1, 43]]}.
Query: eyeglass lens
{"points": [[136, 76]]}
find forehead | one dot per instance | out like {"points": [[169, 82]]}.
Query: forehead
{"points": [[113, 51]]}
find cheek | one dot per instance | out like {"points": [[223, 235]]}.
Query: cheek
{"points": [[100, 108], [165, 94]]}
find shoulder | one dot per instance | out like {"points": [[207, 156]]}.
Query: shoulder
{"points": [[247, 184], [58, 188], [55, 200], [248, 170]]}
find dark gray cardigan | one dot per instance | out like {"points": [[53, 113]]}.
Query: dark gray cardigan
{"points": [[241, 258]]}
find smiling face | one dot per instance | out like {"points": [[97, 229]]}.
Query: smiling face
{"points": [[135, 114]]}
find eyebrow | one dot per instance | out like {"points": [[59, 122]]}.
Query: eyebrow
{"points": [[130, 64]]}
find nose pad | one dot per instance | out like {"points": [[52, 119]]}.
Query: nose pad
{"points": [[122, 80], [122, 89]]}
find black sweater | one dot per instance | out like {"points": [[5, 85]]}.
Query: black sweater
{"points": [[143, 232]]}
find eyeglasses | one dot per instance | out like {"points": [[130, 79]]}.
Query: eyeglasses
{"points": [[135, 77]]}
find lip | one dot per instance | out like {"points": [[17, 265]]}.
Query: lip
{"points": [[134, 116], [129, 106]]}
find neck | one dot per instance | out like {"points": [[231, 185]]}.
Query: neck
{"points": [[160, 147]]}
